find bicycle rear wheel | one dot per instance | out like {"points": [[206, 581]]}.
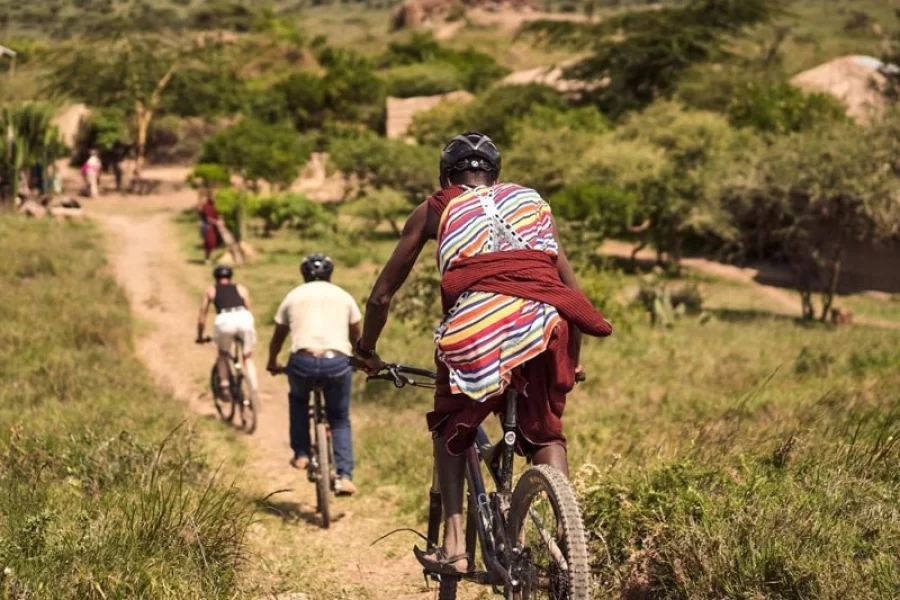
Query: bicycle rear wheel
{"points": [[544, 520], [323, 481], [224, 408]]}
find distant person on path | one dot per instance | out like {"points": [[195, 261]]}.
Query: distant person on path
{"points": [[90, 170], [513, 315], [323, 321], [209, 218], [233, 318]]}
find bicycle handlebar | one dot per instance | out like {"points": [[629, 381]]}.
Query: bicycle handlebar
{"points": [[399, 375]]}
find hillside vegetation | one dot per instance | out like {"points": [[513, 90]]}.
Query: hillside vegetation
{"points": [[102, 493]]}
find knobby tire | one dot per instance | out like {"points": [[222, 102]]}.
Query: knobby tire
{"points": [[248, 406], [547, 480], [225, 409], [323, 482]]}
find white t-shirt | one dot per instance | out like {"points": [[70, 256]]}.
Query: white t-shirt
{"points": [[319, 314]]}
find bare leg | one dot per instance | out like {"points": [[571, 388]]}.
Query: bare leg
{"points": [[451, 473], [250, 370], [224, 379], [553, 455]]}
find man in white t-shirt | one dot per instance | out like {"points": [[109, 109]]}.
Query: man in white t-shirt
{"points": [[323, 321]]}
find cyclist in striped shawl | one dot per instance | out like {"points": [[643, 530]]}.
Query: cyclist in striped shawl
{"points": [[513, 315]]}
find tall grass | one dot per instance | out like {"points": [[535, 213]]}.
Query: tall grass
{"points": [[101, 492]]}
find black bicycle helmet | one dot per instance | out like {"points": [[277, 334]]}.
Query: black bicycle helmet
{"points": [[317, 267], [470, 151], [223, 272]]}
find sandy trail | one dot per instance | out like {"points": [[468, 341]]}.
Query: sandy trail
{"points": [[150, 265], [782, 300]]}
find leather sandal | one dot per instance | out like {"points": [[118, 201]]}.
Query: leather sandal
{"points": [[438, 563]]}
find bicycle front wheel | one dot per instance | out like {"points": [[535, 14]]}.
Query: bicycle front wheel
{"points": [[323, 482], [247, 405], [224, 408], [545, 521]]}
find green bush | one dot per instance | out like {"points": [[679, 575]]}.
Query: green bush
{"points": [[290, 210], [259, 151], [209, 176], [427, 79], [782, 108]]}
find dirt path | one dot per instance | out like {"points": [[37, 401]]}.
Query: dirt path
{"points": [[782, 300], [299, 559]]}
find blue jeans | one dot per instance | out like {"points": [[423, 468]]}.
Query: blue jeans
{"points": [[335, 377]]}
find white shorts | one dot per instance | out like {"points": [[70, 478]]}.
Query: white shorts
{"points": [[232, 324]]}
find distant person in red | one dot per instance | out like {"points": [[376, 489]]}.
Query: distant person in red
{"points": [[209, 219]]}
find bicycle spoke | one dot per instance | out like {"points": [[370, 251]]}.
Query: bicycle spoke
{"points": [[548, 577]]}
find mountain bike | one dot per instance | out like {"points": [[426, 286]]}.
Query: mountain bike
{"points": [[321, 469], [531, 536], [243, 398]]}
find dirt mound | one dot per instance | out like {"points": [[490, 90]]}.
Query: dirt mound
{"points": [[854, 80], [400, 111], [553, 76], [416, 13]]}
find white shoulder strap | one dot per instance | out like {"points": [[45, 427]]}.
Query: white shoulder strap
{"points": [[499, 226]]}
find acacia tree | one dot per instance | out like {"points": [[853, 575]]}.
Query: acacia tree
{"points": [[639, 56], [831, 186], [131, 72]]}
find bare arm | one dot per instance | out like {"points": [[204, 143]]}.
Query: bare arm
{"points": [[418, 230], [208, 296], [567, 275], [245, 295], [566, 272], [275, 345], [355, 332]]}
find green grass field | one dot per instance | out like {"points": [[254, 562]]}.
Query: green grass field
{"points": [[743, 455], [102, 492]]}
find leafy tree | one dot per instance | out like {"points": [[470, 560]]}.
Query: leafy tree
{"points": [[258, 151], [701, 149], [639, 56], [348, 92], [494, 113], [421, 80], [107, 131], [131, 73], [830, 186], [550, 147], [385, 169], [474, 70]]}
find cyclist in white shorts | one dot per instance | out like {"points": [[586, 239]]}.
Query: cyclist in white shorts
{"points": [[233, 318]]}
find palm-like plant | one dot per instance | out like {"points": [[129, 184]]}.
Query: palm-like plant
{"points": [[30, 137]]}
